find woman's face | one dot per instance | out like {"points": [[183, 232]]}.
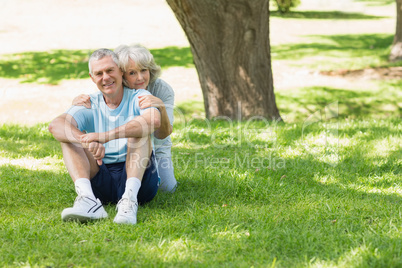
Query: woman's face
{"points": [[135, 77]]}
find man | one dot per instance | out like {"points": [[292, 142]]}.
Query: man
{"points": [[107, 149]]}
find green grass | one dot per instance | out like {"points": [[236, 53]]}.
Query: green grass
{"points": [[324, 15], [318, 191], [322, 190], [329, 52], [380, 101], [250, 194], [324, 52], [377, 2], [56, 65], [45, 67]]}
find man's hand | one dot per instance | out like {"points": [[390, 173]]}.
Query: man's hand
{"points": [[96, 149], [94, 137], [82, 100]]}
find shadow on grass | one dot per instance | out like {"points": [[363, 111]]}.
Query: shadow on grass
{"points": [[173, 56], [352, 103], [45, 67], [290, 209], [377, 2], [188, 110], [22, 141], [324, 15], [351, 45], [42, 189], [298, 105], [236, 198], [53, 66]]}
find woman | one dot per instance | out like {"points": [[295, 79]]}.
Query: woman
{"points": [[141, 72]]}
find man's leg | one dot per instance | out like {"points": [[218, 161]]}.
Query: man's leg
{"points": [[82, 166], [138, 153], [79, 162]]}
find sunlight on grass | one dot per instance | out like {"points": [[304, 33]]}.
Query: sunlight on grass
{"points": [[324, 146], [230, 232], [356, 257], [47, 163], [179, 250], [385, 147], [292, 152], [267, 196]]}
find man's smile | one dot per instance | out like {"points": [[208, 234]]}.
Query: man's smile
{"points": [[108, 85]]}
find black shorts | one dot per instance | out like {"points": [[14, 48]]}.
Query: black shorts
{"points": [[109, 183]]}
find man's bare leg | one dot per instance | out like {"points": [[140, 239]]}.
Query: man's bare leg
{"points": [[82, 166], [79, 162], [138, 155]]}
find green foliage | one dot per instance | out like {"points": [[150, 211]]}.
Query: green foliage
{"points": [[54, 66], [285, 5]]}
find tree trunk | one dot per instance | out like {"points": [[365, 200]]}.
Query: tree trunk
{"points": [[229, 40], [396, 49]]}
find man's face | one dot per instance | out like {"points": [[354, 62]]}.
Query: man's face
{"points": [[135, 77], [107, 75]]}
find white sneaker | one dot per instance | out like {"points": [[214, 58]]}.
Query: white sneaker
{"points": [[84, 209], [126, 211]]}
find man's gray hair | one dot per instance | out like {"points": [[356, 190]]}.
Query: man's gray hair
{"points": [[100, 54]]}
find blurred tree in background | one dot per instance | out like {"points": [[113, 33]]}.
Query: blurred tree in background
{"points": [[396, 49], [284, 6]]}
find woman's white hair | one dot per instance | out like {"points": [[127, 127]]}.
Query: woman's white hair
{"points": [[142, 58]]}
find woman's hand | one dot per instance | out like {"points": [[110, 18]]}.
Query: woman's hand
{"points": [[82, 100], [150, 101], [165, 128]]}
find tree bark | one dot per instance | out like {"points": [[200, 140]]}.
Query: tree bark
{"points": [[229, 40], [396, 49]]}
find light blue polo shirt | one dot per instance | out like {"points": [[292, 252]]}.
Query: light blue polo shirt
{"points": [[100, 118]]}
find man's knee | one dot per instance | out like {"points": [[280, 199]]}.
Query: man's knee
{"points": [[138, 143]]}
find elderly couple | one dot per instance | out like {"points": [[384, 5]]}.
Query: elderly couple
{"points": [[116, 143]]}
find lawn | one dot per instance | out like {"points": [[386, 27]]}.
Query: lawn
{"points": [[325, 191], [322, 189]]}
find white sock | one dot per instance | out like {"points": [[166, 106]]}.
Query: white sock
{"points": [[133, 185], [83, 187]]}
